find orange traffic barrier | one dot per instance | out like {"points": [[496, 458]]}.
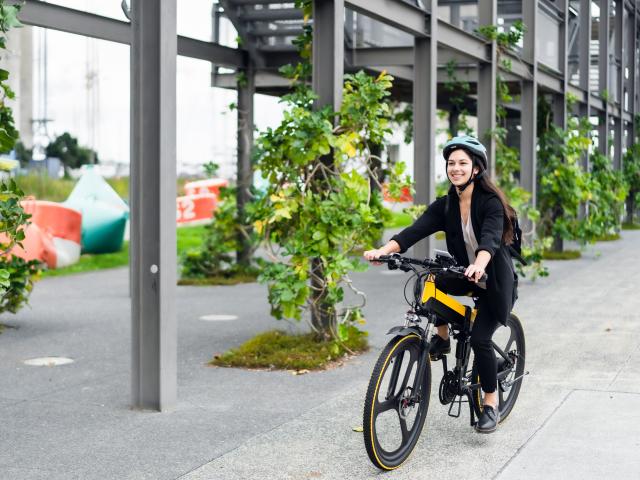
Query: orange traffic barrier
{"points": [[195, 208], [210, 185], [53, 236]]}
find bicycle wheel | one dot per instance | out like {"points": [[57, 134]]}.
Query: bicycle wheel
{"points": [[392, 421], [510, 339]]}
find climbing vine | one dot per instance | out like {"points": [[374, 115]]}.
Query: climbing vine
{"points": [[16, 274], [631, 172], [507, 158], [458, 91]]}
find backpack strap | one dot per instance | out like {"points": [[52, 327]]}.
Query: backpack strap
{"points": [[514, 253]]}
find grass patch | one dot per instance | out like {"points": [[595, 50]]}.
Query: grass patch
{"points": [[90, 262], [43, 187], [398, 220], [3, 327], [279, 350], [631, 226], [220, 280], [565, 255], [190, 238], [609, 237], [187, 238]]}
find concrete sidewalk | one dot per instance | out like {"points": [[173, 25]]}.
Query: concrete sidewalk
{"points": [[577, 415]]}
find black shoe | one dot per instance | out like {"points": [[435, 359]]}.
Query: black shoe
{"points": [[488, 421], [439, 347]]}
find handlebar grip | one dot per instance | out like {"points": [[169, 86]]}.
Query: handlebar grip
{"points": [[460, 271]]}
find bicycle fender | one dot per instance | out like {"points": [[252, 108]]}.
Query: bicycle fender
{"points": [[404, 331]]}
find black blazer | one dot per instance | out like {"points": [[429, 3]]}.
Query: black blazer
{"points": [[487, 217]]}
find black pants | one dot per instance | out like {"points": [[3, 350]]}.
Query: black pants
{"points": [[483, 328]]}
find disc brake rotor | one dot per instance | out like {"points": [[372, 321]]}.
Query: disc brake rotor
{"points": [[406, 403]]}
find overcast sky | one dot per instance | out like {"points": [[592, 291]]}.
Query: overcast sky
{"points": [[205, 128]]}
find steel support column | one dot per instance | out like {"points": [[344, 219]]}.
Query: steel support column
{"points": [[560, 100], [246, 89], [424, 119], [487, 77], [529, 101], [328, 51], [633, 75], [603, 76], [153, 191], [584, 57], [619, 53]]}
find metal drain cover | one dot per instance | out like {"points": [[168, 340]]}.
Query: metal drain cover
{"points": [[48, 361], [218, 318]]}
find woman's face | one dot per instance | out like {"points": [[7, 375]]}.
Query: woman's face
{"points": [[459, 167]]}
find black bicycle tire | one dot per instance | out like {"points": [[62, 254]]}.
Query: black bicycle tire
{"points": [[515, 392], [376, 453]]}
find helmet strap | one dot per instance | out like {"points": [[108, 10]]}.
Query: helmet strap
{"points": [[472, 179]]}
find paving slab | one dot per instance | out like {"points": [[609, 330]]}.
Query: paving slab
{"points": [[591, 435]]}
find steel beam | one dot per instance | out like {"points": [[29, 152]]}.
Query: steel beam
{"points": [[372, 57], [424, 121], [529, 100], [328, 51], [270, 14], [212, 52], [46, 15], [487, 77], [401, 15], [153, 180], [603, 76], [465, 43], [262, 79], [55, 17]]}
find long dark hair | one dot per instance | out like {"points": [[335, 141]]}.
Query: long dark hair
{"points": [[487, 185], [509, 212]]}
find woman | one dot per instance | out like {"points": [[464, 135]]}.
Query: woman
{"points": [[477, 221]]}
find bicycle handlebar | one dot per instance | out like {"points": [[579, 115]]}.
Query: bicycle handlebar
{"points": [[396, 261]]}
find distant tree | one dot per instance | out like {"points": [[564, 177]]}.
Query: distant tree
{"points": [[71, 154], [23, 154]]}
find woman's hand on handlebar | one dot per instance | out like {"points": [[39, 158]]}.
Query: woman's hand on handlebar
{"points": [[372, 255], [391, 247], [474, 273]]}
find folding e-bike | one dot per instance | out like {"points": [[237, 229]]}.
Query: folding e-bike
{"points": [[397, 398]]}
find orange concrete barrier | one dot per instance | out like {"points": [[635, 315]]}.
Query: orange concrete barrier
{"points": [[196, 208], [53, 236], [210, 185]]}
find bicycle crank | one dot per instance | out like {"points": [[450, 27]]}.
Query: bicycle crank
{"points": [[509, 383], [448, 388]]}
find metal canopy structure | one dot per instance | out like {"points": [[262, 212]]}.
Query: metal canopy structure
{"points": [[588, 49]]}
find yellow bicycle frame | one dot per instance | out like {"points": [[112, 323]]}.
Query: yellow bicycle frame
{"points": [[441, 303]]}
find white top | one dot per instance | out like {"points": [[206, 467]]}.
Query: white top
{"points": [[471, 244]]}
